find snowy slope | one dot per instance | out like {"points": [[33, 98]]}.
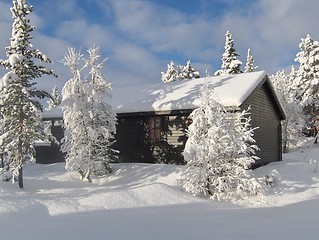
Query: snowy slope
{"points": [[143, 201]]}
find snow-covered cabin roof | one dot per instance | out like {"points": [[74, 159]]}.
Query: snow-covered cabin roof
{"points": [[52, 113], [229, 90]]}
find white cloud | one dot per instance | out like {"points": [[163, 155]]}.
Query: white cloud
{"points": [[141, 37], [161, 29], [136, 61], [272, 29], [80, 32], [5, 26]]}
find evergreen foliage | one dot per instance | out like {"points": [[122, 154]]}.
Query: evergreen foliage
{"points": [[179, 72], [250, 62], [171, 74], [307, 77], [89, 120], [230, 64], [294, 122], [188, 71], [55, 99], [218, 152], [21, 123]]}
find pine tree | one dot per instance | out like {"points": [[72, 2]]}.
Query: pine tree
{"points": [[21, 123], [307, 79], [55, 99], [89, 121], [188, 71], [294, 122], [218, 152], [250, 62], [179, 72], [171, 74], [230, 64]]}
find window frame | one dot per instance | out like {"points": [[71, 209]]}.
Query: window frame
{"points": [[155, 129]]}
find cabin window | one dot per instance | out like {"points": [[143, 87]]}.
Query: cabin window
{"points": [[154, 129]]}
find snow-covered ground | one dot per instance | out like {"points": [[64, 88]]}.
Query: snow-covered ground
{"points": [[143, 201]]}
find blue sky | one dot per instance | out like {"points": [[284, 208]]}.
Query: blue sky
{"points": [[140, 37]]}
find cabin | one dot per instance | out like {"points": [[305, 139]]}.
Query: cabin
{"points": [[153, 119]]}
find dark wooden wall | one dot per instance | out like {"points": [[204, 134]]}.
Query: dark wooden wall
{"points": [[134, 146], [131, 141], [266, 116], [51, 153]]}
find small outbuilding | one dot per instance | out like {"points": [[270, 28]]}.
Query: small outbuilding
{"points": [[153, 119]]}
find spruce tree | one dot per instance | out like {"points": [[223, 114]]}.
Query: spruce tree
{"points": [[250, 62], [171, 74], [294, 122], [219, 152], [179, 72], [230, 64], [188, 71], [307, 78], [21, 123], [55, 99]]}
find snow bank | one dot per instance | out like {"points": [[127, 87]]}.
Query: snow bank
{"points": [[143, 201]]}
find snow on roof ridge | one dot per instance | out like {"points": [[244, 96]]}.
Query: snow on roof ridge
{"points": [[229, 90]]}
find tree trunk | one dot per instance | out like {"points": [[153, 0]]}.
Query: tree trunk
{"points": [[20, 164], [20, 177], [20, 150], [285, 139]]}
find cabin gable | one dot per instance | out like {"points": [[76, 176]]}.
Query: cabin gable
{"points": [[266, 117]]}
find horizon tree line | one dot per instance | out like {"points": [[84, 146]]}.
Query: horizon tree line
{"points": [[230, 64]]}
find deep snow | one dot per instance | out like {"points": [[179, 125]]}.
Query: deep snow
{"points": [[143, 201]]}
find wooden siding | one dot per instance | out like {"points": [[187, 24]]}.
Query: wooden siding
{"points": [[131, 139], [266, 117], [134, 146], [174, 132], [51, 154]]}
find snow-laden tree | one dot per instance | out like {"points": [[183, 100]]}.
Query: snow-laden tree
{"points": [[103, 117], [294, 122], [219, 152], [307, 78], [179, 72], [250, 62], [171, 74], [89, 121], [188, 71], [21, 123], [230, 64], [55, 99]]}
